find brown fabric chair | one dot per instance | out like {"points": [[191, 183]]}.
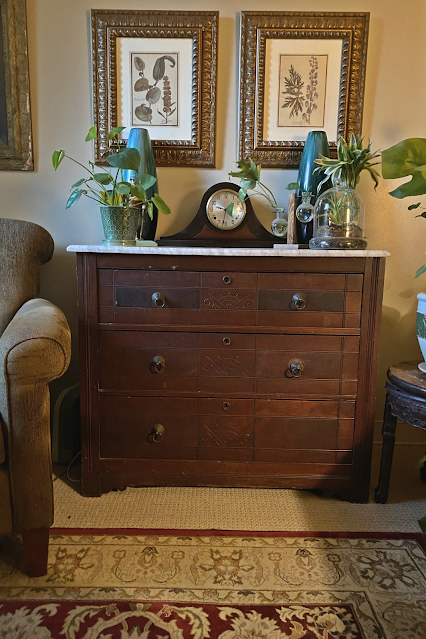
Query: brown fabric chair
{"points": [[35, 348]]}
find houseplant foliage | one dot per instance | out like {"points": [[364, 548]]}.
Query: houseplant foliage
{"points": [[106, 186], [401, 160], [249, 175], [339, 211]]}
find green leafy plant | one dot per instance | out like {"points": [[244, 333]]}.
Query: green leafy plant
{"points": [[249, 176], [351, 160], [108, 189], [401, 160]]}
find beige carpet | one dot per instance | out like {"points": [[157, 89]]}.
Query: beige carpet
{"points": [[249, 509]]}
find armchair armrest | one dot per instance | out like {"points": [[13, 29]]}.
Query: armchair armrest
{"points": [[34, 349]]}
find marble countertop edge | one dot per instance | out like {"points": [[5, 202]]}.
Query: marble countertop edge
{"points": [[237, 252]]}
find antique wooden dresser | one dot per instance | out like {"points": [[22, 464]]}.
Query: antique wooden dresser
{"points": [[228, 367]]}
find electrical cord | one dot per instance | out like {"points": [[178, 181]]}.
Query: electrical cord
{"points": [[66, 471]]}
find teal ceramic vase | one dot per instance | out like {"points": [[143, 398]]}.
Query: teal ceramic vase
{"points": [[120, 225], [316, 144], [139, 139], [421, 327]]}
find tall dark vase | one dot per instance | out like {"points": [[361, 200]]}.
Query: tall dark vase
{"points": [[139, 139], [316, 144]]}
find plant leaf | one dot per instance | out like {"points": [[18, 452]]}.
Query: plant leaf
{"points": [[74, 198], [124, 188], [242, 194], [143, 113], [160, 204], [145, 181], [78, 183], [422, 524], [115, 132], [404, 158], [150, 210], [230, 208], [103, 178], [57, 158], [421, 270], [293, 186], [416, 186], [414, 206], [153, 95], [139, 63], [93, 132], [127, 158], [247, 183], [138, 192], [141, 85]]}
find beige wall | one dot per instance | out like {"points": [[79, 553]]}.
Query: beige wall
{"points": [[60, 74]]}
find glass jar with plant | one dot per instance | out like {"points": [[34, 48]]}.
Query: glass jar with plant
{"points": [[339, 211], [122, 204], [249, 176]]}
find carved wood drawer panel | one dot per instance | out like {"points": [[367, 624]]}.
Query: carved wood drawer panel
{"points": [[328, 300], [228, 363]]}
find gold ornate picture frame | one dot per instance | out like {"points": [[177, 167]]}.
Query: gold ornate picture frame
{"points": [[15, 117], [299, 72], [157, 69]]}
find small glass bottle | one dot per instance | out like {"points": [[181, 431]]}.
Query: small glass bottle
{"points": [[279, 225], [305, 210]]}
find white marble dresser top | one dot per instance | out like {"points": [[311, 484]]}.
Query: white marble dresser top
{"points": [[236, 252]]}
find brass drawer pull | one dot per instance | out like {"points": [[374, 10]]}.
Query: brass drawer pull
{"points": [[159, 300], [299, 301], [226, 279], [157, 433], [226, 406], [296, 367], [226, 341], [158, 364]]}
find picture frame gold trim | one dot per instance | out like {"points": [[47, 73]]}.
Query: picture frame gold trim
{"points": [[16, 152], [256, 28], [202, 28]]}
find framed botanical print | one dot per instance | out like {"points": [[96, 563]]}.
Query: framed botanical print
{"points": [[299, 72], [157, 70], [16, 153]]}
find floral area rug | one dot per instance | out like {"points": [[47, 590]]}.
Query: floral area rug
{"points": [[199, 585]]}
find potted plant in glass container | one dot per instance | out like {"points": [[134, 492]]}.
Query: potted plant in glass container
{"points": [[122, 204], [339, 212]]}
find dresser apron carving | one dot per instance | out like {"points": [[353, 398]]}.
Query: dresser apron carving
{"points": [[253, 368]]}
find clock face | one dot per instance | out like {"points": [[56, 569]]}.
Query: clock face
{"points": [[216, 210]]}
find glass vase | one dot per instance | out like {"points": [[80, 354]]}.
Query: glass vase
{"points": [[305, 210], [339, 219], [279, 225], [139, 139]]}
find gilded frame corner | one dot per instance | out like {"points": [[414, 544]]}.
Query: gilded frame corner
{"points": [[201, 27], [16, 152], [256, 28]]}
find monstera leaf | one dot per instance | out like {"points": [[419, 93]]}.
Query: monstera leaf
{"points": [[406, 158]]}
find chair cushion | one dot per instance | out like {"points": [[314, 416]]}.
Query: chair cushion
{"points": [[24, 246]]}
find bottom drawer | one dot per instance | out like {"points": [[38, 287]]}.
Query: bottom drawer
{"points": [[297, 431]]}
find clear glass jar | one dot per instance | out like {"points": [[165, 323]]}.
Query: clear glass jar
{"points": [[279, 225], [305, 210], [339, 219]]}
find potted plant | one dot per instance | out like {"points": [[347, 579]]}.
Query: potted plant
{"points": [[249, 175], [122, 204], [339, 212]]}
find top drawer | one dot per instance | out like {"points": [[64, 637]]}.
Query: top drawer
{"points": [[172, 298]]}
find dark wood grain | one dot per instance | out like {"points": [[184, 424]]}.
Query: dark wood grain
{"points": [[233, 414]]}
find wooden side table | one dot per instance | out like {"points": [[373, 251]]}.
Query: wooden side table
{"points": [[406, 400]]}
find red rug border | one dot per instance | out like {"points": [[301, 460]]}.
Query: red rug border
{"points": [[419, 537]]}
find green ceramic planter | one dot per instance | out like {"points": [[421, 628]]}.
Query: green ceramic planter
{"points": [[120, 225]]}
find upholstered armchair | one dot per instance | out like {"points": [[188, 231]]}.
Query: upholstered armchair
{"points": [[35, 346]]}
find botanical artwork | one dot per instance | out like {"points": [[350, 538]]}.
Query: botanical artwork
{"points": [[302, 90], [154, 87]]}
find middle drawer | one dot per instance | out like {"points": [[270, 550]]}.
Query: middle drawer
{"points": [[226, 363]]}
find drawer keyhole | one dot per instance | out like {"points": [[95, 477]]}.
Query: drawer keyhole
{"points": [[226, 406], [226, 279], [296, 367], [226, 341]]}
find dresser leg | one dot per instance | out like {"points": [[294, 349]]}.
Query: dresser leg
{"points": [[388, 432]]}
